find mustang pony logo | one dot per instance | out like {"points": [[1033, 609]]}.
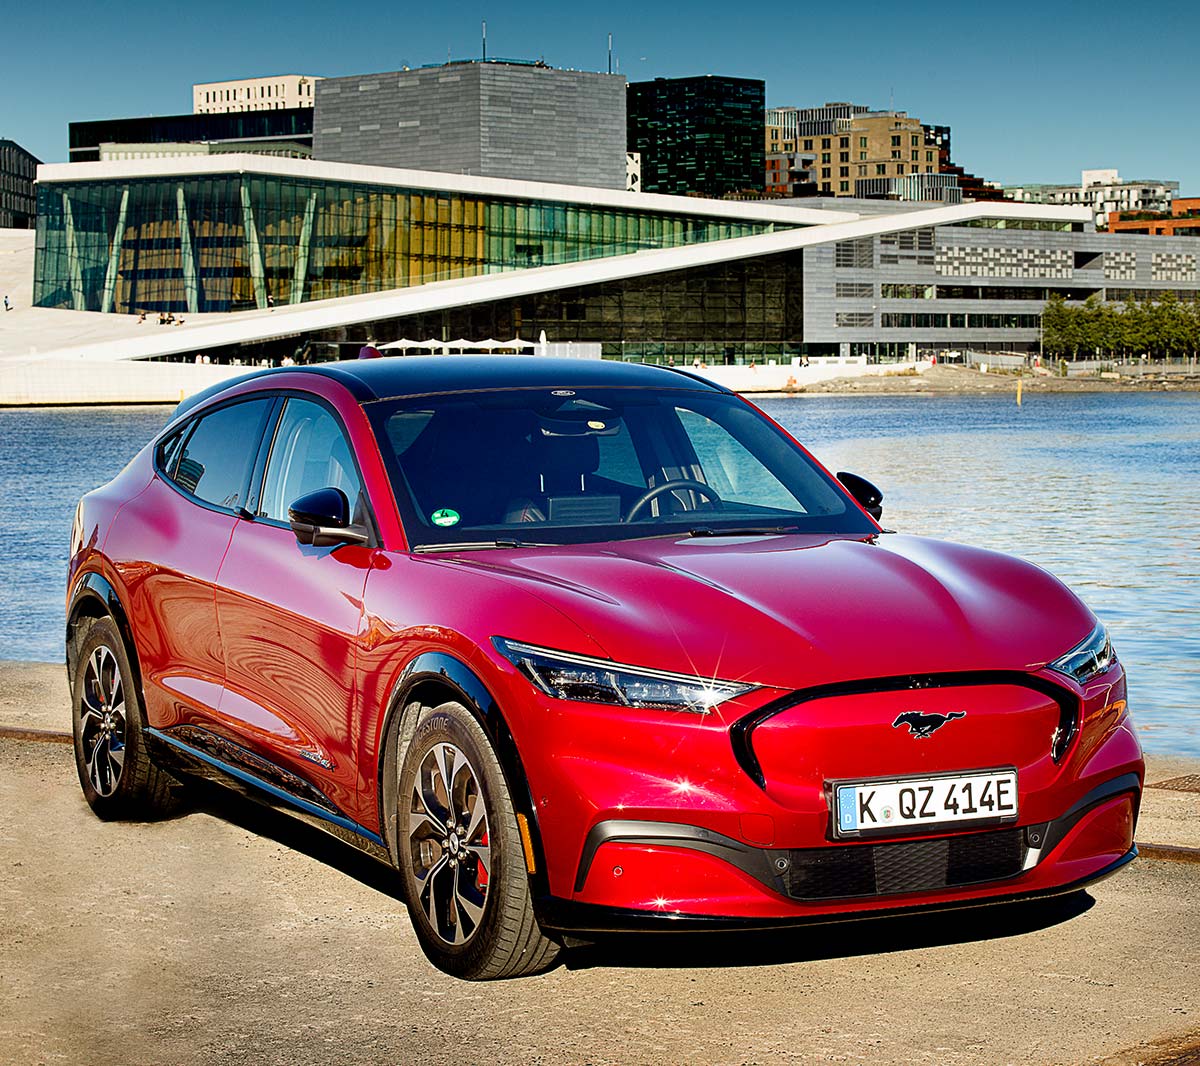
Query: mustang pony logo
{"points": [[925, 725]]}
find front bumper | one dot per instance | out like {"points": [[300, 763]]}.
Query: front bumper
{"points": [[663, 820]]}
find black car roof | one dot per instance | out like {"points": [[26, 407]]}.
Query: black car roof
{"points": [[379, 379], [396, 376]]}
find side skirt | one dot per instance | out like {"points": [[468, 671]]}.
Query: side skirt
{"points": [[246, 777]]}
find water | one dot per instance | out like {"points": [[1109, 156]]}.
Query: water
{"points": [[1099, 489]]}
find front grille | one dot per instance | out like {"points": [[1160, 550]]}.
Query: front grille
{"points": [[838, 872]]}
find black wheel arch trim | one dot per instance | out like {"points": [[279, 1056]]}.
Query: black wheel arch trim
{"points": [[93, 587], [452, 674], [741, 733]]}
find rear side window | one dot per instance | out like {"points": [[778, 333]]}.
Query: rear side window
{"points": [[215, 462]]}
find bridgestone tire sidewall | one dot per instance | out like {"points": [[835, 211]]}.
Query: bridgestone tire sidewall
{"points": [[454, 724]]}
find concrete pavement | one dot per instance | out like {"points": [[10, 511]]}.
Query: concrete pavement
{"points": [[235, 933]]}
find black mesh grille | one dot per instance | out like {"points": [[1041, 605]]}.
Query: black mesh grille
{"points": [[839, 871]]}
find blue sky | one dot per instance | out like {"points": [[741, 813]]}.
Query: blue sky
{"points": [[1034, 92]]}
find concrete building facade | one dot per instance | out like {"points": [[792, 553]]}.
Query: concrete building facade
{"points": [[18, 204], [501, 119], [1103, 192], [254, 94]]}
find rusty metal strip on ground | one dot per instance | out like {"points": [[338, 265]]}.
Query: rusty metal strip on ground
{"points": [[1168, 853], [1186, 783], [41, 736]]}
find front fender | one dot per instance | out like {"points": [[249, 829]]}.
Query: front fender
{"points": [[442, 677]]}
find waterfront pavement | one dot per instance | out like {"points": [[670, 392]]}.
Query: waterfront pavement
{"points": [[235, 933]]}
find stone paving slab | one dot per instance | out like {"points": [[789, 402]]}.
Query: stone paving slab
{"points": [[232, 934]]}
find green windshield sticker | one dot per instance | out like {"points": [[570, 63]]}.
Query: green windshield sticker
{"points": [[445, 517]]}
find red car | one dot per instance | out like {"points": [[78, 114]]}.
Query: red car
{"points": [[581, 647]]}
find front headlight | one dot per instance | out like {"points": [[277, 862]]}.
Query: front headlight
{"points": [[580, 677], [1089, 659]]}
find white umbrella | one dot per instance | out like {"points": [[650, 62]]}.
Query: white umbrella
{"points": [[517, 342], [491, 344], [460, 344], [430, 343], [402, 343]]}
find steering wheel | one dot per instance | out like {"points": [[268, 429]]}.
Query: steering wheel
{"points": [[671, 486]]}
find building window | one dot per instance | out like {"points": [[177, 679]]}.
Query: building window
{"points": [[826, 143], [895, 153], [825, 173], [843, 172], [900, 169], [916, 141], [896, 142], [844, 142], [880, 168], [843, 186], [916, 156], [859, 319], [862, 142], [808, 146], [856, 290]]}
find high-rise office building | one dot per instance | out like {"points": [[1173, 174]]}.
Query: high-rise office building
{"points": [[18, 201], [698, 135]]}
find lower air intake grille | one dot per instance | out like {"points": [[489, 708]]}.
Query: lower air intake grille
{"points": [[838, 872]]}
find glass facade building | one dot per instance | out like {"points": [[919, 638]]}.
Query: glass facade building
{"points": [[698, 135], [228, 242], [735, 311], [288, 125]]}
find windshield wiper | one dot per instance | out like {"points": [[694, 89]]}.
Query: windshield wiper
{"points": [[474, 545], [752, 531]]}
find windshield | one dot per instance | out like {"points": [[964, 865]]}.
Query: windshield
{"points": [[562, 466]]}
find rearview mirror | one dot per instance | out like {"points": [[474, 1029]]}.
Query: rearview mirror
{"points": [[322, 518], [868, 497]]}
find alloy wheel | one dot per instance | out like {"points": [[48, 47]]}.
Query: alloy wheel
{"points": [[449, 843], [103, 724]]}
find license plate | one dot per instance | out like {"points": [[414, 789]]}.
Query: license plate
{"points": [[897, 805]]}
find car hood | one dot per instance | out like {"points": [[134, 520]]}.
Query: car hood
{"points": [[797, 611]]}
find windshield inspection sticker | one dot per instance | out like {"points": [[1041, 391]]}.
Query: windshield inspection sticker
{"points": [[445, 517]]}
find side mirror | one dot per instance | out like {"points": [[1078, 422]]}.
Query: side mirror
{"points": [[322, 518], [869, 498]]}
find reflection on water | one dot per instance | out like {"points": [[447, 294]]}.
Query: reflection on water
{"points": [[1099, 489]]}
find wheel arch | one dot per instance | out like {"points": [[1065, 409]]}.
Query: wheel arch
{"points": [[95, 597], [428, 680]]}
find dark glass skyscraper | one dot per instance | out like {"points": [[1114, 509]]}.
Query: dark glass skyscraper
{"points": [[698, 135]]}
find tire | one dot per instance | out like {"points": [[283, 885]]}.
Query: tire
{"points": [[119, 780], [461, 856]]}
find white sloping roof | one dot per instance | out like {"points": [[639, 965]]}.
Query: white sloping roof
{"points": [[184, 167], [302, 319]]}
